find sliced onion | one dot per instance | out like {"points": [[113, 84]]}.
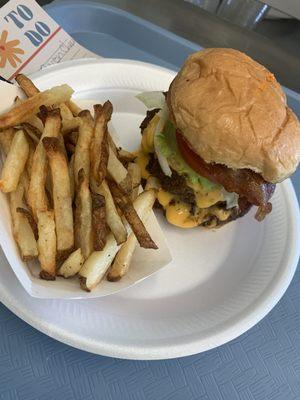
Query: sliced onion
{"points": [[163, 162]]}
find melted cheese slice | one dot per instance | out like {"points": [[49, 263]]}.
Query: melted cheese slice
{"points": [[142, 161], [164, 197], [208, 199], [148, 135], [178, 212]]}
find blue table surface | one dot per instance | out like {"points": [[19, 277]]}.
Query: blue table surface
{"points": [[263, 363]]}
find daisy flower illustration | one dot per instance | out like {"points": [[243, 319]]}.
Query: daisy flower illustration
{"points": [[9, 51]]}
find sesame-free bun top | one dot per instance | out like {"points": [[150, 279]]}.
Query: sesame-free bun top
{"points": [[232, 111]]}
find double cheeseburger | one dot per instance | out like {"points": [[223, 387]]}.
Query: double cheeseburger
{"points": [[219, 140]]}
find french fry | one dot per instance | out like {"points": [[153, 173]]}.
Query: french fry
{"points": [[47, 244], [126, 156], [43, 113], [122, 261], [112, 145], [62, 146], [29, 161], [118, 172], [70, 125], [72, 177], [115, 168], [99, 221], [25, 180], [70, 141], [113, 219], [99, 145], [32, 132], [123, 201], [72, 265], [49, 192], [36, 122], [61, 194], [30, 90], [27, 85], [83, 216], [33, 120], [22, 230], [72, 137], [82, 150], [14, 163], [95, 267], [37, 195], [70, 148], [134, 171], [21, 112], [30, 220], [75, 109], [48, 183], [6, 138], [65, 112]]}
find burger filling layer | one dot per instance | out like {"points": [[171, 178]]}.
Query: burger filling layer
{"points": [[188, 198]]}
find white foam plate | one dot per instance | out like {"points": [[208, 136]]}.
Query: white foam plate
{"points": [[219, 284]]}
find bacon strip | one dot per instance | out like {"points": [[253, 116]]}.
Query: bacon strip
{"points": [[244, 182]]}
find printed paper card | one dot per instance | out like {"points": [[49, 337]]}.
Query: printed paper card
{"points": [[31, 40]]}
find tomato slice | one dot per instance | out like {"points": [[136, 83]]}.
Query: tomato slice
{"points": [[189, 156]]}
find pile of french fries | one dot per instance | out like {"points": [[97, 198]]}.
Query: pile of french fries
{"points": [[75, 198]]}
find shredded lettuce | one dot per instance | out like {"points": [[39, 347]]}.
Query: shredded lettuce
{"points": [[152, 99]]}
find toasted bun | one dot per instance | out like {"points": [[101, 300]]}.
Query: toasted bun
{"points": [[232, 111]]}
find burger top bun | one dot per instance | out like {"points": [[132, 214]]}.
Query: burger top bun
{"points": [[232, 111]]}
